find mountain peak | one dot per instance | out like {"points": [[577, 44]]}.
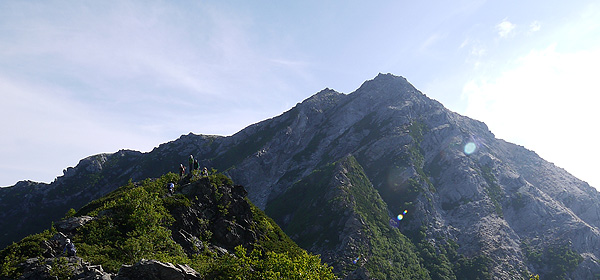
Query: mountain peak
{"points": [[386, 85], [325, 93], [388, 76], [322, 100], [389, 79]]}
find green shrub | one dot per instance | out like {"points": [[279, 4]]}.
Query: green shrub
{"points": [[133, 222], [270, 265], [61, 270], [559, 258], [28, 247]]}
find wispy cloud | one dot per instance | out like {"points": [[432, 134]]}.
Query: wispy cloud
{"points": [[475, 51], [505, 28], [535, 26], [431, 40], [97, 78]]}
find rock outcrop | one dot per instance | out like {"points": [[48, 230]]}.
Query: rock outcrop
{"points": [[222, 211], [155, 270], [55, 268], [76, 269]]}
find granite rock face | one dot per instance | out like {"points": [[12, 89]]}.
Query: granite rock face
{"points": [[456, 179]]}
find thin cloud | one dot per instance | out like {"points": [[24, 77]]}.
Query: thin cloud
{"points": [[431, 40], [505, 28], [535, 26], [475, 51], [102, 78]]}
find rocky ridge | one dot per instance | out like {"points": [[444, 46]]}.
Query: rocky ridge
{"points": [[212, 220], [498, 201]]}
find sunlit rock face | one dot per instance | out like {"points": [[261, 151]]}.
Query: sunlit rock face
{"points": [[458, 184], [489, 196]]}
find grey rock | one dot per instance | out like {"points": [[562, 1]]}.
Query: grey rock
{"points": [[70, 224], [155, 270], [53, 268]]}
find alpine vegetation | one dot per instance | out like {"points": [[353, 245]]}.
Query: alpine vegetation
{"points": [[205, 229]]}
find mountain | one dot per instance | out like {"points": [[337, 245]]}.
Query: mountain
{"points": [[204, 229], [370, 181]]}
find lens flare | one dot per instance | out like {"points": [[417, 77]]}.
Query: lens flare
{"points": [[470, 148], [401, 216]]}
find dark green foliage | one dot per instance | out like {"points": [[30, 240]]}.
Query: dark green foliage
{"points": [[176, 200], [71, 213], [313, 211], [518, 201], [272, 238], [257, 265], [493, 190], [300, 197], [135, 227], [133, 222], [393, 254], [29, 247], [476, 268], [218, 179], [435, 261], [553, 262], [61, 269], [444, 263], [398, 192], [417, 130]]}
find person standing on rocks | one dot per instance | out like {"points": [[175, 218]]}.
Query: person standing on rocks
{"points": [[191, 162], [171, 188], [70, 248], [181, 170]]}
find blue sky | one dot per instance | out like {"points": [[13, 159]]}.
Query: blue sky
{"points": [[79, 78]]}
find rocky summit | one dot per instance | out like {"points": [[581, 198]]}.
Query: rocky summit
{"points": [[383, 183]]}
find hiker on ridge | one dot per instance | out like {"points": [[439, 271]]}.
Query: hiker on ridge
{"points": [[181, 170], [191, 163], [70, 248], [171, 187]]}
